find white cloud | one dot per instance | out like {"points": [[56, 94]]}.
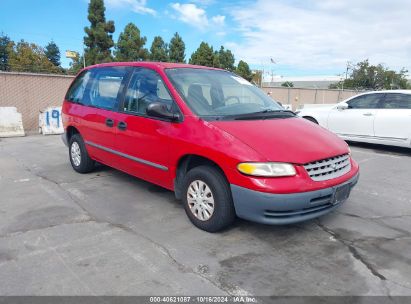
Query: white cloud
{"points": [[204, 2], [218, 20], [324, 34], [192, 14], [138, 6]]}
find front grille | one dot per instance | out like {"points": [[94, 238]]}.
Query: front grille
{"points": [[328, 168]]}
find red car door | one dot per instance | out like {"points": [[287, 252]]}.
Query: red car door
{"points": [[103, 95], [144, 141]]}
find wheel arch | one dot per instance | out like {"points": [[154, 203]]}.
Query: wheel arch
{"points": [[70, 131], [188, 162], [311, 118]]}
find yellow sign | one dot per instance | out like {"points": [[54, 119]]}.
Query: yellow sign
{"points": [[72, 54]]}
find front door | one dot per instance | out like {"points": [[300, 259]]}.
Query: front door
{"points": [[145, 141], [358, 119]]}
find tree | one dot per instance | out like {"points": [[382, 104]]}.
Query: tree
{"points": [[244, 70], [99, 38], [177, 49], [29, 57], [159, 50], [226, 59], [373, 77], [216, 60], [204, 55], [287, 84], [52, 52], [130, 45], [76, 65], [257, 78], [5, 45]]}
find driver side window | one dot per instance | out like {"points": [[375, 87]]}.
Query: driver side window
{"points": [[146, 86], [369, 101]]}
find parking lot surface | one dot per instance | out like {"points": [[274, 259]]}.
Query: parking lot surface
{"points": [[107, 233]]}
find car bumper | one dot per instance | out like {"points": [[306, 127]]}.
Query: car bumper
{"points": [[281, 209], [64, 138]]}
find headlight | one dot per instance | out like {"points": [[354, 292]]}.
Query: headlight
{"points": [[267, 169]]}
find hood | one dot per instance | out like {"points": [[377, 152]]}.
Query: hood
{"points": [[319, 107], [293, 140]]}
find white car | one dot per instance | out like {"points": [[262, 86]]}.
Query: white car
{"points": [[381, 117]]}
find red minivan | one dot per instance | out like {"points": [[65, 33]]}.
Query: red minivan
{"points": [[223, 146]]}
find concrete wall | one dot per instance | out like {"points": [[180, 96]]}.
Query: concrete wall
{"points": [[32, 93], [11, 123], [297, 96]]}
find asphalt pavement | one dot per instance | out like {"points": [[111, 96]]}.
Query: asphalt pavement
{"points": [[107, 233]]}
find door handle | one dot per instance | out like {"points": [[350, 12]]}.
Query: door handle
{"points": [[109, 122], [367, 114], [122, 125]]}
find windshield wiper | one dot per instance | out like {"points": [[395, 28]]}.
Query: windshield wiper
{"points": [[268, 113]]}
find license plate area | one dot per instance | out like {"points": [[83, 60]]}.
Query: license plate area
{"points": [[341, 194]]}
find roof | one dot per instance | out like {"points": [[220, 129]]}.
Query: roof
{"points": [[389, 91], [161, 65]]}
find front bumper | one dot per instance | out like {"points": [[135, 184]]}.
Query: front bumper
{"points": [[280, 209]]}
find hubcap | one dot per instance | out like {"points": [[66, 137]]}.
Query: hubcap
{"points": [[200, 200], [75, 154]]}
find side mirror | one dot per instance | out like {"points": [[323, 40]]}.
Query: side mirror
{"points": [[159, 110], [342, 106]]}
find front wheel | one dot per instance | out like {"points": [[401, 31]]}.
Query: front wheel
{"points": [[79, 158], [207, 199]]}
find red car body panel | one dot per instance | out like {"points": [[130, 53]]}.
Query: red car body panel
{"points": [[226, 143], [292, 140]]}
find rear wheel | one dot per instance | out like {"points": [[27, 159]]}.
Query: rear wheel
{"points": [[312, 119], [79, 158], [207, 199]]}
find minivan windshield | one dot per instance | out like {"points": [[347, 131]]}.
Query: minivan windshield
{"points": [[218, 94]]}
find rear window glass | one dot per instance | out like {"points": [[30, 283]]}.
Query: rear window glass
{"points": [[77, 89], [105, 87]]}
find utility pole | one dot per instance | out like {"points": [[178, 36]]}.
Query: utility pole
{"points": [[346, 75], [272, 69]]}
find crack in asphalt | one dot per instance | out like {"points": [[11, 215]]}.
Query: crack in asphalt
{"points": [[373, 217], [359, 257], [15, 233], [185, 269], [377, 220], [92, 218], [354, 252]]}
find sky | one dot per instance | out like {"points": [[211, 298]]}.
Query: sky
{"points": [[301, 37]]}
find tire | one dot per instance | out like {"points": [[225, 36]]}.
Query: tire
{"points": [[223, 213], [83, 164], [311, 119]]}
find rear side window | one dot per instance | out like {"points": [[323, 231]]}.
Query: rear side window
{"points": [[369, 101], [397, 101], [105, 87], [77, 89]]}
